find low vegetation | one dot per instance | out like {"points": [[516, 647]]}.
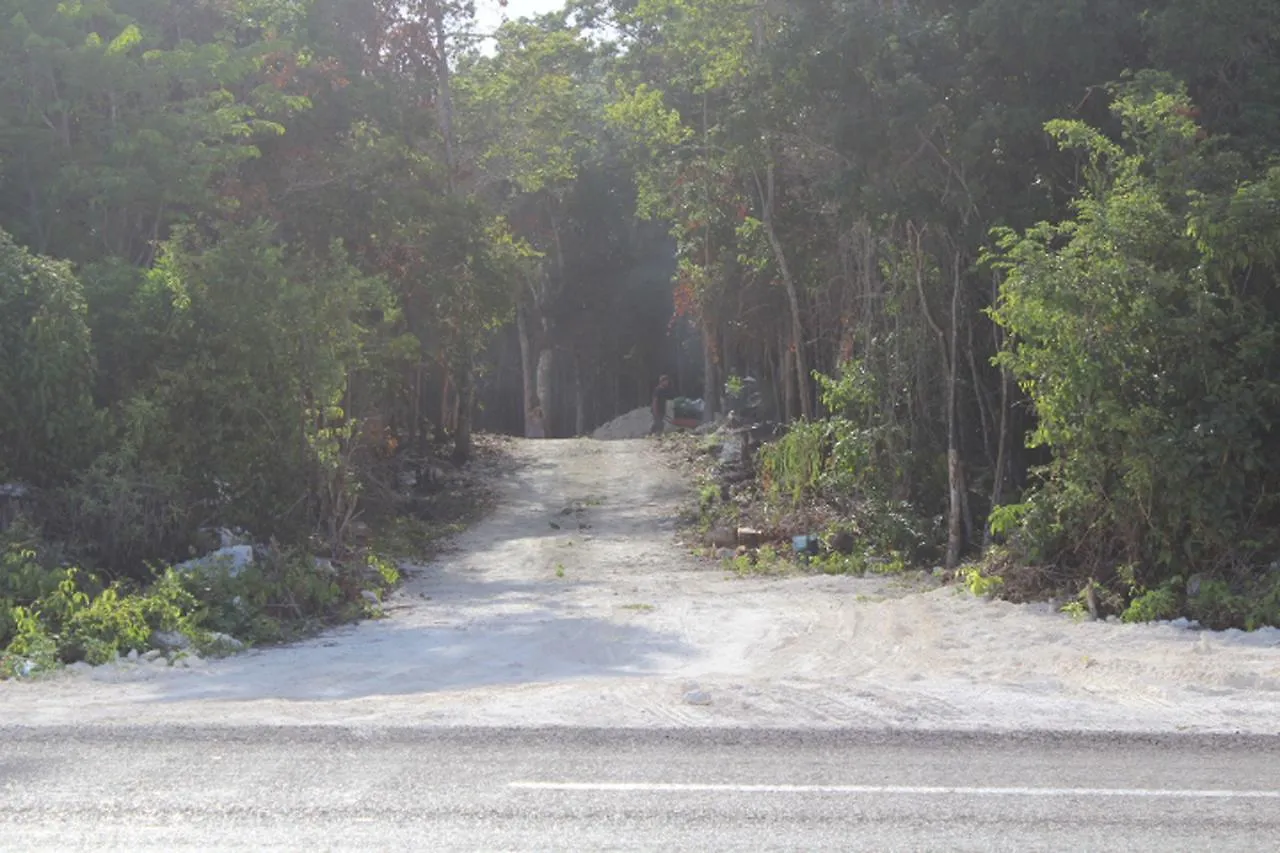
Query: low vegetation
{"points": [[53, 613]]}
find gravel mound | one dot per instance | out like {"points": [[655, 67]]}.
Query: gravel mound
{"points": [[634, 424]]}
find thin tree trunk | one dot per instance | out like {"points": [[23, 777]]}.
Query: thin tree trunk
{"points": [[710, 376], [465, 407], [1002, 442], [415, 408], [544, 379], [955, 468], [788, 380], [579, 402], [445, 80], [1002, 454], [526, 370], [793, 297]]}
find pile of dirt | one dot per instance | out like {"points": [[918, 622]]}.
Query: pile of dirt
{"points": [[634, 424]]}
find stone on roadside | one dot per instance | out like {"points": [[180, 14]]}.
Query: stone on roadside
{"points": [[224, 644], [153, 655], [234, 558], [170, 640], [724, 537], [370, 597], [697, 697]]}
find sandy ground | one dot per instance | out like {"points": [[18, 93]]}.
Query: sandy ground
{"points": [[603, 620]]}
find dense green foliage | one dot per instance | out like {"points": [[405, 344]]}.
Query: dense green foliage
{"points": [[1145, 332], [253, 252]]}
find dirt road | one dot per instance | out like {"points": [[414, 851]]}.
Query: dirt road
{"points": [[573, 605]]}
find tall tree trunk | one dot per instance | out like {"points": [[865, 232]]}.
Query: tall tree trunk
{"points": [[466, 404], [579, 401], [793, 296], [955, 467], [526, 369], [788, 380], [416, 439], [949, 346], [444, 104], [1002, 441], [1002, 455], [710, 375], [544, 379]]}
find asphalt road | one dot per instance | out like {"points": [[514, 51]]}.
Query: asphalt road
{"points": [[484, 789]]}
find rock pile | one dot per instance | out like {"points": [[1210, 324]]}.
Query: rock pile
{"points": [[634, 424]]}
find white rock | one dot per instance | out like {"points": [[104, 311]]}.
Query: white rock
{"points": [[370, 597], [697, 697], [169, 640], [132, 657], [153, 655], [80, 666], [225, 643], [233, 558]]}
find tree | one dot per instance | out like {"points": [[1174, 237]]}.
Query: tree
{"points": [[46, 368]]}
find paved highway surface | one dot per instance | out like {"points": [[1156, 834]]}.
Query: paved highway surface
{"points": [[571, 789]]}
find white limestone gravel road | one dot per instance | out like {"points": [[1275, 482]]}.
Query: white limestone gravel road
{"points": [[603, 620]]}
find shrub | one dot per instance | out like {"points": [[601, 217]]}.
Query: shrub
{"points": [[1147, 334], [24, 579], [82, 620], [46, 368]]}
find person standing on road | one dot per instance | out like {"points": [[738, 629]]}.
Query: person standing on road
{"points": [[537, 422], [661, 394]]}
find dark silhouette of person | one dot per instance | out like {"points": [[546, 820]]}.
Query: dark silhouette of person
{"points": [[661, 394]]}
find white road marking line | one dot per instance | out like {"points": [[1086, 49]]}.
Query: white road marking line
{"points": [[696, 787]]}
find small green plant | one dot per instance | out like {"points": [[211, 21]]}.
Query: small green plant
{"points": [[387, 571], [708, 497], [981, 584], [792, 467], [1006, 519], [1153, 605], [32, 650], [559, 570], [639, 608], [765, 560], [840, 564], [1216, 606]]}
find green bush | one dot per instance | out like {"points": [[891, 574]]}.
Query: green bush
{"points": [[79, 619], [792, 467], [284, 595], [24, 579], [858, 464], [1153, 605], [46, 368], [1146, 332]]}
